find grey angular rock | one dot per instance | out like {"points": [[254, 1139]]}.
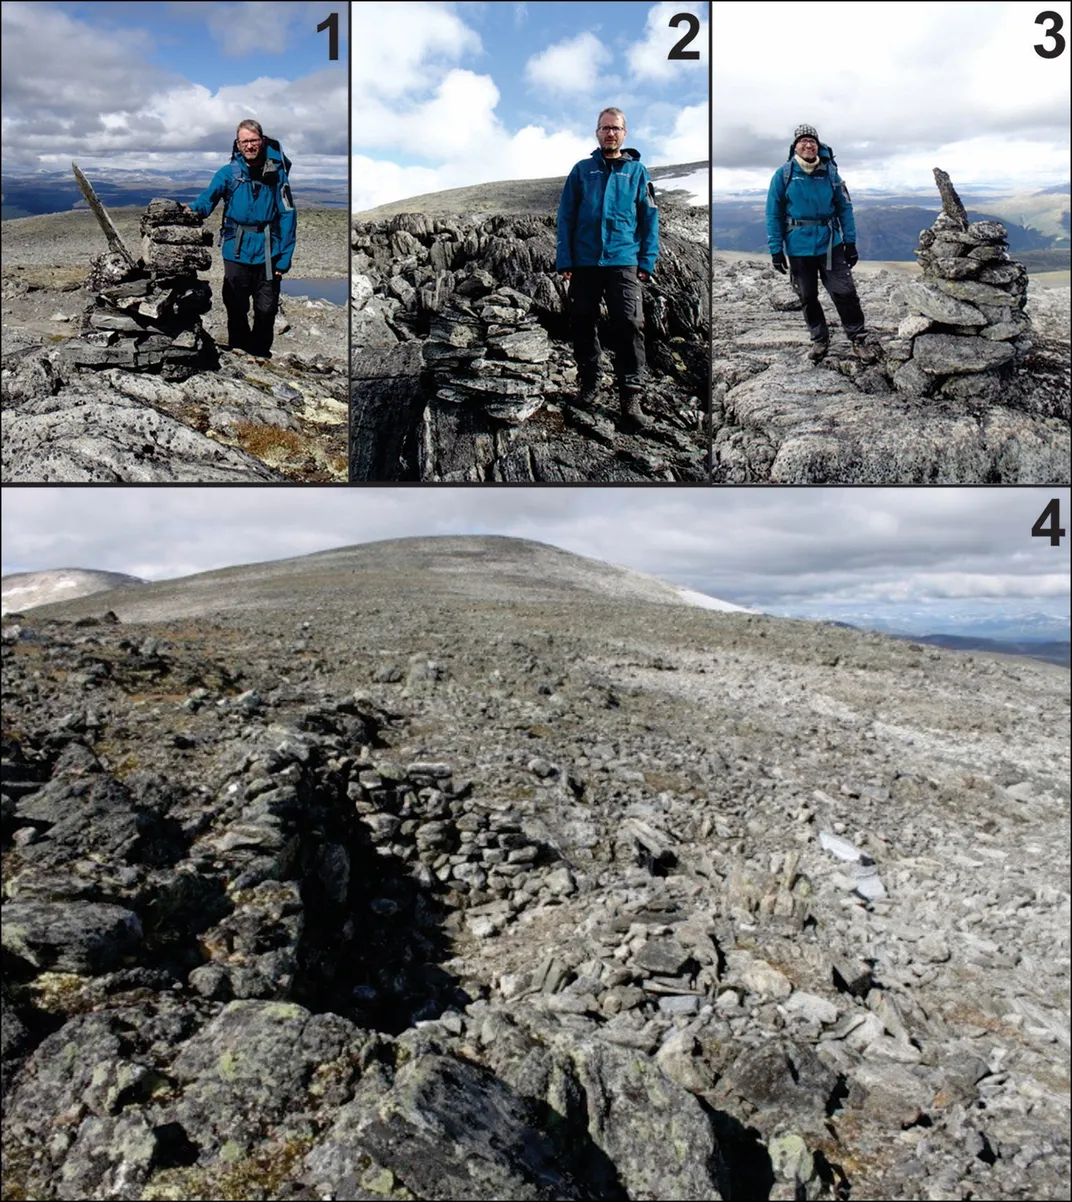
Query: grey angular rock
{"points": [[70, 936], [445, 1129], [106, 436], [928, 300], [973, 291], [949, 354]]}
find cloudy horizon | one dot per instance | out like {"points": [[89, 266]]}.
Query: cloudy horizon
{"points": [[910, 87], [144, 87], [873, 557]]}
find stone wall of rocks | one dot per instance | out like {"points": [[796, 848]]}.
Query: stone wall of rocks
{"points": [[966, 327], [148, 318], [475, 851]]}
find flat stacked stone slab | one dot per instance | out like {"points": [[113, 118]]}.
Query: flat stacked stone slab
{"points": [[966, 327], [147, 317]]}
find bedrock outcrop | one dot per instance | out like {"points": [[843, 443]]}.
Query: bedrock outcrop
{"points": [[977, 413]]}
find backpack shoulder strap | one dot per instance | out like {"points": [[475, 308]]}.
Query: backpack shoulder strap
{"points": [[236, 178], [787, 171]]}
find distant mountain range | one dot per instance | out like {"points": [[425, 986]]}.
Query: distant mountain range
{"points": [[884, 232], [56, 191], [1049, 651], [888, 224], [1007, 632], [1007, 626]]}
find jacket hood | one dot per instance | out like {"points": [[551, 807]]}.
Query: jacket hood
{"points": [[627, 153], [272, 150]]}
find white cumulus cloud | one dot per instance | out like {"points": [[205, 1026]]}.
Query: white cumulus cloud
{"points": [[570, 66]]}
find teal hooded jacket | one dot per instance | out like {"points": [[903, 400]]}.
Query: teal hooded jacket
{"points": [[607, 216], [253, 208], [820, 202]]}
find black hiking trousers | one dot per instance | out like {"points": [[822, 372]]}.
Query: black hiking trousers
{"points": [[242, 282], [805, 273], [625, 312]]}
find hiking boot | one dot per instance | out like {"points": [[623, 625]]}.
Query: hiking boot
{"points": [[633, 416], [586, 395], [863, 349], [817, 351]]}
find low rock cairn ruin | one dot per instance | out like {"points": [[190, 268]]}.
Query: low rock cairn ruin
{"points": [[966, 327], [145, 314]]}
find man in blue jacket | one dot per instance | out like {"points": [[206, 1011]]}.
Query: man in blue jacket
{"points": [[608, 241], [809, 212], [257, 235]]}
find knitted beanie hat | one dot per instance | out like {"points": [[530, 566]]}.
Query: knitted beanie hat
{"points": [[805, 131]]}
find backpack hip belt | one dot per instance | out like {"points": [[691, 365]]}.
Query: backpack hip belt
{"points": [[256, 227], [831, 222]]}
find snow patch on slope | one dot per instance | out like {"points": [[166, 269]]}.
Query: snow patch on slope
{"points": [[697, 184], [690, 597], [26, 590]]}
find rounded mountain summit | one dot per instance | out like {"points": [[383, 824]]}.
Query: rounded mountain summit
{"points": [[491, 568]]}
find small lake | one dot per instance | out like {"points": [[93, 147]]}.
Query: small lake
{"points": [[335, 291]]}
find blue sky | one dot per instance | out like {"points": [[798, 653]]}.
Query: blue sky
{"points": [[896, 89], [161, 86], [870, 556], [448, 95]]}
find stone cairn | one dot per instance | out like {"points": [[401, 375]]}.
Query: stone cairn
{"points": [[966, 327], [485, 344], [145, 314], [489, 349]]}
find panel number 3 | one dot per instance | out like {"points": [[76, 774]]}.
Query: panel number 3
{"points": [[1053, 32]]}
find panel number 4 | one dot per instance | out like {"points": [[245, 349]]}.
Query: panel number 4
{"points": [[1054, 531]]}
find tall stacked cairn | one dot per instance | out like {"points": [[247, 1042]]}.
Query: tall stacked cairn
{"points": [[966, 327], [145, 314]]}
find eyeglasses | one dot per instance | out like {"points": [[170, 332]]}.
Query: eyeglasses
{"points": [[611, 129], [249, 141]]}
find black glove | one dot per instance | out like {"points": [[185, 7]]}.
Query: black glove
{"points": [[851, 257], [778, 262]]}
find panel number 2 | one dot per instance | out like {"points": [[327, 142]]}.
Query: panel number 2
{"points": [[678, 52]]}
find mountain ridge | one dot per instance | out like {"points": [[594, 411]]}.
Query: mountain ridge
{"points": [[505, 196], [535, 572]]}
